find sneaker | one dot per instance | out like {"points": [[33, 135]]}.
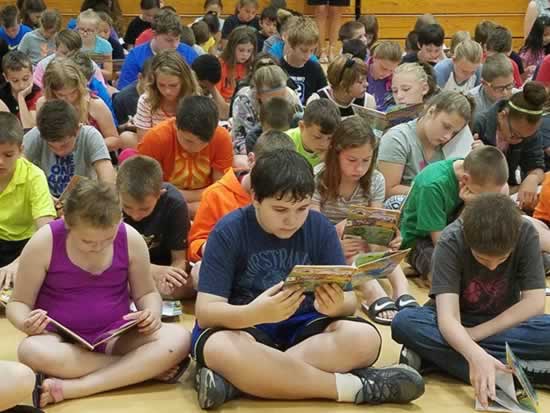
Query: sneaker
{"points": [[212, 389], [538, 372], [410, 358], [393, 384]]}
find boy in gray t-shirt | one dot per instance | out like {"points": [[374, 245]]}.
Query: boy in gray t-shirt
{"points": [[489, 290], [62, 148]]}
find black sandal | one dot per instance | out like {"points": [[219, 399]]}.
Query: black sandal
{"points": [[406, 301], [37, 390], [377, 307], [23, 409]]}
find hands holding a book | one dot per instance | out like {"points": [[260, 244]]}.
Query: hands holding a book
{"points": [[329, 299], [168, 278], [276, 304], [36, 322], [483, 369], [395, 243], [148, 322]]}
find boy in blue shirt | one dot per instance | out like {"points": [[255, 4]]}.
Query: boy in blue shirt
{"points": [[166, 35], [253, 335], [12, 31]]}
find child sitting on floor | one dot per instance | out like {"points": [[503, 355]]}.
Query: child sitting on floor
{"points": [[99, 49], [488, 286], [82, 271], [12, 31], [25, 202], [461, 72], [158, 212], [248, 324], [41, 42]]}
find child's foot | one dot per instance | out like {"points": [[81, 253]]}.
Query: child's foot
{"points": [[381, 311], [394, 384], [52, 392], [406, 301], [174, 374], [212, 389]]}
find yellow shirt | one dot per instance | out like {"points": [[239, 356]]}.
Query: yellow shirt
{"points": [[206, 46], [23, 201]]}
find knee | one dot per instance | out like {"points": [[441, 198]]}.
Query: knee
{"points": [[32, 353], [23, 376], [369, 350], [177, 339], [17, 383], [402, 325], [218, 349]]}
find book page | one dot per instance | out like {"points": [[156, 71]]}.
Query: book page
{"points": [[376, 119], [115, 333], [378, 268], [526, 395], [460, 145], [375, 225]]}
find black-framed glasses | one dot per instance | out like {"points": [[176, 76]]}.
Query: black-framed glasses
{"points": [[509, 87]]}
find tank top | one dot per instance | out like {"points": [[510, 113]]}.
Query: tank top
{"points": [[86, 303]]}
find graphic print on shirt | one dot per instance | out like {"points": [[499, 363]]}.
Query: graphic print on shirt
{"points": [[191, 171], [300, 82], [60, 174], [151, 241], [485, 295]]}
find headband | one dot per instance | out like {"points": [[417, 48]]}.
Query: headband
{"points": [[522, 110]]}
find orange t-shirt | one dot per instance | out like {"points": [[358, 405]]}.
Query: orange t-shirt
{"points": [[218, 200], [187, 171], [542, 210], [226, 86]]}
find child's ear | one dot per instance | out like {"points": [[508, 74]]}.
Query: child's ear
{"points": [[251, 159]]}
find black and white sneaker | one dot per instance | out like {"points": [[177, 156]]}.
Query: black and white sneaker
{"points": [[538, 372], [412, 359], [212, 389], [393, 384]]}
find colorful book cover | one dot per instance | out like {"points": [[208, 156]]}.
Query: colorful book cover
{"points": [[375, 225], [384, 120], [5, 296]]}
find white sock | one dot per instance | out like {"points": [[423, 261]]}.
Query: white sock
{"points": [[347, 386]]}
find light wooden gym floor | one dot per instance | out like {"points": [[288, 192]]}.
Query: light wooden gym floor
{"points": [[442, 393]]}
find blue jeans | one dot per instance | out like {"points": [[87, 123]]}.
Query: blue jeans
{"points": [[417, 329]]}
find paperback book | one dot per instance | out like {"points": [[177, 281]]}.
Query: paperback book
{"points": [[374, 225], [5, 296], [384, 120]]}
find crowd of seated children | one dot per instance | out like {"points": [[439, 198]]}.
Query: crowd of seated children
{"points": [[246, 14], [157, 210], [166, 35], [62, 147], [497, 83], [439, 191], [30, 12], [192, 149], [236, 60], [314, 132], [19, 93], [214, 7], [352, 30], [266, 83], [512, 125], [487, 293], [202, 37], [461, 72], [82, 271], [385, 57], [40, 42], [274, 45], [245, 329], [347, 78], [408, 148], [12, 30], [170, 79], [349, 177], [87, 26], [111, 7], [147, 34], [25, 202], [149, 9], [64, 80], [301, 39]]}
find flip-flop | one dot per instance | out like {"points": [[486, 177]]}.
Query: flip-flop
{"points": [[406, 301], [182, 368], [37, 391], [377, 307], [23, 409]]}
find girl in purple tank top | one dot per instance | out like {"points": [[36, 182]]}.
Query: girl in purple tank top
{"points": [[83, 271]]}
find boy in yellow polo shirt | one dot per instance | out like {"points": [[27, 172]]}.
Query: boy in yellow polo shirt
{"points": [[25, 201]]}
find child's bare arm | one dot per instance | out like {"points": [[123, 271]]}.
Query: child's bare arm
{"points": [[393, 173], [104, 118], [28, 117], [105, 171], [435, 236]]}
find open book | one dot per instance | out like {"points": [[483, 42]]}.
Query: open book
{"points": [[374, 225], [366, 267], [460, 145], [522, 399], [72, 337], [384, 120], [5, 296]]}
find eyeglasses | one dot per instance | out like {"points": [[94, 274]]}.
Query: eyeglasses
{"points": [[85, 31], [514, 135], [509, 87]]}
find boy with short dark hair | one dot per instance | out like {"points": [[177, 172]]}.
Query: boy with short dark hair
{"points": [[12, 31], [25, 202], [192, 149], [158, 212], [430, 43], [301, 39], [19, 93], [231, 192], [254, 336], [40, 42], [482, 31], [500, 41], [437, 194], [314, 132], [149, 9], [62, 148], [352, 30], [209, 72], [488, 286], [268, 26]]}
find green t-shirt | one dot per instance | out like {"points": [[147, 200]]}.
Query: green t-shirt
{"points": [[296, 137], [433, 200]]}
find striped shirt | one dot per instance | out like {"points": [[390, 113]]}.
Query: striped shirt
{"points": [[145, 117]]}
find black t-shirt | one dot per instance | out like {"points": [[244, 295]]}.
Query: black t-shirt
{"points": [[232, 22], [260, 39], [135, 28], [11, 101], [166, 229], [125, 103], [308, 78], [118, 50]]}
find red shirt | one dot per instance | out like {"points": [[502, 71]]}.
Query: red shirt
{"points": [[517, 77], [144, 37], [543, 74]]}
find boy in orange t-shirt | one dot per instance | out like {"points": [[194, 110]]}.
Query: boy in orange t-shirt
{"points": [[192, 150]]}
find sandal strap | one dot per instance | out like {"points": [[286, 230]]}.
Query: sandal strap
{"points": [[406, 301], [381, 305]]}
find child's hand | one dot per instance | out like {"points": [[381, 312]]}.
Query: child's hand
{"points": [[483, 368], [276, 304], [527, 194], [169, 278], [148, 323], [395, 243], [340, 227], [352, 246], [35, 323], [7, 275], [26, 92], [329, 299]]}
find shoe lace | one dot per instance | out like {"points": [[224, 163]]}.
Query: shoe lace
{"points": [[377, 387]]}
